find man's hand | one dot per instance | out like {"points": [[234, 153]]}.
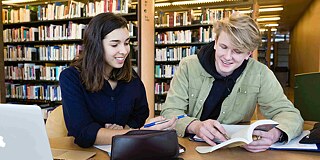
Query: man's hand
{"points": [[265, 141], [208, 130]]}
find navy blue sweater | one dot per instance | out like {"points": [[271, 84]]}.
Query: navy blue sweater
{"points": [[86, 112]]}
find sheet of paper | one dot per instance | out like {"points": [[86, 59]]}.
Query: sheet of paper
{"points": [[106, 148]]}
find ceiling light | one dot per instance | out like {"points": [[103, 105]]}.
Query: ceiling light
{"points": [[268, 19], [263, 10], [270, 9], [264, 29], [272, 25], [195, 2], [162, 4], [245, 11], [8, 2]]}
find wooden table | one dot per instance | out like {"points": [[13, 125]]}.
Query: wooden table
{"points": [[192, 154]]}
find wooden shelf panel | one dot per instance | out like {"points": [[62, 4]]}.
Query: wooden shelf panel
{"points": [[175, 28], [161, 78], [32, 81], [182, 44], [167, 62], [66, 41], [37, 61], [32, 101]]}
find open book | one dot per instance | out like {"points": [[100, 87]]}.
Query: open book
{"points": [[239, 135]]}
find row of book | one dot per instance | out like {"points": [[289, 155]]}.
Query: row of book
{"points": [[185, 36], [31, 71], [42, 53], [70, 30], [61, 10], [165, 71], [158, 106], [161, 87], [44, 33], [190, 16], [175, 53], [28, 91]]}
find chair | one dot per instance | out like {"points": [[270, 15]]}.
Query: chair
{"points": [[306, 95], [55, 124]]}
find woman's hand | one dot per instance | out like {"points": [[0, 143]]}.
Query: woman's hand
{"points": [[266, 139], [164, 126], [208, 130]]}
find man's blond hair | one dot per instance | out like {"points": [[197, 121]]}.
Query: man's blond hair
{"points": [[242, 30]]}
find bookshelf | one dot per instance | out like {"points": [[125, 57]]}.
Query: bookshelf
{"points": [[182, 31], [267, 51], [2, 81], [179, 34], [40, 45]]}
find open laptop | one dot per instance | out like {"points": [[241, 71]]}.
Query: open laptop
{"points": [[23, 135]]}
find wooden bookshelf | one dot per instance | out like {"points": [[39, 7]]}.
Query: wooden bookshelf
{"points": [[196, 30], [2, 86], [13, 61]]}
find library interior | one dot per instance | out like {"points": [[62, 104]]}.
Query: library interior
{"points": [[41, 38]]}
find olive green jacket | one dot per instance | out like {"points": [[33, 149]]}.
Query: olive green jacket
{"points": [[191, 85]]}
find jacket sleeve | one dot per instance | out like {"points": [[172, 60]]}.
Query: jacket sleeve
{"points": [[275, 105], [177, 100], [78, 120]]}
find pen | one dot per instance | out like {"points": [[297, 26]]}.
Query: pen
{"points": [[163, 121], [224, 134]]}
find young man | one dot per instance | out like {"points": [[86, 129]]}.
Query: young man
{"points": [[222, 84]]}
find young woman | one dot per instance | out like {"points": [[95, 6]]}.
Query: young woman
{"points": [[222, 84], [101, 93]]}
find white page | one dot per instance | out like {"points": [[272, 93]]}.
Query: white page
{"points": [[106, 148], [236, 131], [294, 144]]}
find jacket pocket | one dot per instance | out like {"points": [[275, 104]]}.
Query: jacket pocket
{"points": [[193, 96], [246, 101]]}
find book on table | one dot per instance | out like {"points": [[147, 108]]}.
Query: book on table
{"points": [[239, 135]]}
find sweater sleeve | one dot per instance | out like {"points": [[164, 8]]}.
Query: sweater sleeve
{"points": [[140, 111], [78, 119]]}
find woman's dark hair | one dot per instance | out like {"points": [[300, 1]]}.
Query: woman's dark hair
{"points": [[91, 62]]}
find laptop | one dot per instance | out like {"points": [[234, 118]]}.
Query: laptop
{"points": [[23, 135]]}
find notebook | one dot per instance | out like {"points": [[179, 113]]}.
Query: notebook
{"points": [[23, 135]]}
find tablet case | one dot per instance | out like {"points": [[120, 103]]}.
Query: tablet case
{"points": [[145, 145], [313, 137]]}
